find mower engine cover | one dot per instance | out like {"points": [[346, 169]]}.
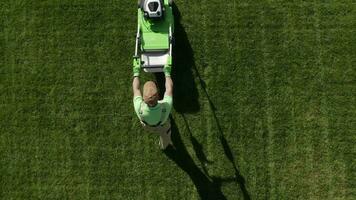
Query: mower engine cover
{"points": [[154, 36], [153, 8]]}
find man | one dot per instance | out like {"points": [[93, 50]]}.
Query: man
{"points": [[154, 114]]}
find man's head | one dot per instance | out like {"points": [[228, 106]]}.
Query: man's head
{"points": [[150, 93]]}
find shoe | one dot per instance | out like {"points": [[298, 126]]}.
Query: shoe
{"points": [[160, 144], [162, 148], [172, 145]]}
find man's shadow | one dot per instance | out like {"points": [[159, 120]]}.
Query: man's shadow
{"points": [[207, 189], [212, 183], [186, 101]]}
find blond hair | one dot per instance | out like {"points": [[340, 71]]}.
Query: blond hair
{"points": [[150, 93]]}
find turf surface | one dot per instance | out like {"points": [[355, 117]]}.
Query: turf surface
{"points": [[264, 105]]}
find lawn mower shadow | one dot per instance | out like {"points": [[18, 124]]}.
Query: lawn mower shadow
{"points": [[185, 93]]}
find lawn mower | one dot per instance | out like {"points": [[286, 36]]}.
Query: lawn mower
{"points": [[154, 38]]}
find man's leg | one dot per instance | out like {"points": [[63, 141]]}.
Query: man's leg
{"points": [[165, 135], [164, 131], [149, 128]]}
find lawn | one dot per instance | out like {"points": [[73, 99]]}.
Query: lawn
{"points": [[264, 102]]}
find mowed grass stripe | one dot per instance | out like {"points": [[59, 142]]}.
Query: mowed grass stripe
{"points": [[267, 62], [342, 134], [273, 98], [285, 98], [213, 79], [301, 46], [322, 181], [339, 100]]}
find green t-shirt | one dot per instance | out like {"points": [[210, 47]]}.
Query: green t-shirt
{"points": [[153, 115]]}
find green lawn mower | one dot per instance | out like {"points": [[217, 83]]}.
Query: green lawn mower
{"points": [[154, 36]]}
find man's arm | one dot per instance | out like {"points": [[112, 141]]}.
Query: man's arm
{"points": [[136, 87], [169, 86]]}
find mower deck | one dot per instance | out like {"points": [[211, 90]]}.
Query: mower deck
{"points": [[154, 40]]}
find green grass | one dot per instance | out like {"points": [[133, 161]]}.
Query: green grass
{"points": [[264, 105]]}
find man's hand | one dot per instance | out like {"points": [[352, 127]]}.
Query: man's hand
{"points": [[167, 70], [136, 67], [168, 67]]}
